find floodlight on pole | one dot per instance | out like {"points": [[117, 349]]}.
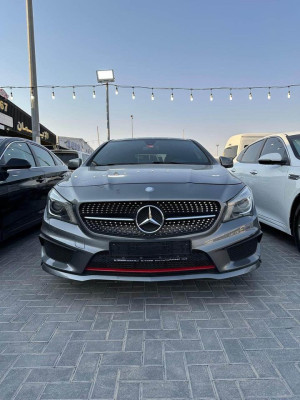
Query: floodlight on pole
{"points": [[106, 76]]}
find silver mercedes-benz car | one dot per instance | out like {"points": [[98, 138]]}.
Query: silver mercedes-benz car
{"points": [[150, 209]]}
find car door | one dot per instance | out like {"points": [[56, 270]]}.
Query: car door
{"points": [[53, 172], [271, 184], [246, 168], [20, 191]]}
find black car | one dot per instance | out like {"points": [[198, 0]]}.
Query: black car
{"points": [[27, 172]]}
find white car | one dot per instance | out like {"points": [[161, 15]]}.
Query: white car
{"points": [[271, 168]]}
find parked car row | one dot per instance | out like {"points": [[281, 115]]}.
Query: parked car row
{"points": [[151, 209]]}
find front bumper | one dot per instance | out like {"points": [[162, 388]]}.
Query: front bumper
{"points": [[233, 248]]}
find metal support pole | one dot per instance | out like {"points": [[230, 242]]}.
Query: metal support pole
{"points": [[98, 136], [107, 112], [131, 125], [32, 73]]}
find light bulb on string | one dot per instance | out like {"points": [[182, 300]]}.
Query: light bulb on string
{"points": [[152, 95], [172, 96], [230, 95], [133, 94], [94, 93], [117, 90], [74, 94], [250, 95], [269, 95], [53, 94], [211, 97], [11, 94], [191, 96], [289, 94]]}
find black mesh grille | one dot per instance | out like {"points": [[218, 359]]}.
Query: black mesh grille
{"points": [[59, 253], [243, 250], [170, 209], [104, 261]]}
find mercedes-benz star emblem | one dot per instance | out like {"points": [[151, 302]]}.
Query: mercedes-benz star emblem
{"points": [[149, 219]]}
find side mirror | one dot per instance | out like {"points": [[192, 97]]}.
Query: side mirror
{"points": [[74, 163], [226, 162], [16, 163], [272, 159]]}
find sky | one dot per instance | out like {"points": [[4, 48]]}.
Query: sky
{"points": [[158, 43]]}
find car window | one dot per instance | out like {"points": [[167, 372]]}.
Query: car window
{"points": [[252, 152], [295, 144], [44, 157], [18, 150], [85, 157], [57, 160], [274, 145], [240, 156], [66, 156], [150, 151]]}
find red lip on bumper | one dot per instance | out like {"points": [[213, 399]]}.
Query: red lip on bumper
{"points": [[151, 271]]}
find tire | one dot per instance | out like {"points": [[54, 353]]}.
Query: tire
{"points": [[296, 227]]}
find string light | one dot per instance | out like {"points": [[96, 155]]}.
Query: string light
{"points": [[133, 94], [191, 90]]}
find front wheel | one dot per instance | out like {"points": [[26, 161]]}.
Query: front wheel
{"points": [[296, 227]]}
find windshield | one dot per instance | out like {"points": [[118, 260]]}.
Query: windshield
{"points": [[230, 151], [295, 144], [150, 151], [66, 157]]}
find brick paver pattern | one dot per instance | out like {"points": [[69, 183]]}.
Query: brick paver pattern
{"points": [[205, 339]]}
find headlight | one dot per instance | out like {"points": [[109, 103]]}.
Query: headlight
{"points": [[58, 207], [240, 205]]}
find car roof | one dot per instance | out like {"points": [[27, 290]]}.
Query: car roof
{"points": [[65, 151], [149, 138], [292, 133]]}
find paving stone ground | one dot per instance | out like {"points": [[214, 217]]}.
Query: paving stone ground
{"points": [[205, 339]]}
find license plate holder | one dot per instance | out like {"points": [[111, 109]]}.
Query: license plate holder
{"points": [[150, 249]]}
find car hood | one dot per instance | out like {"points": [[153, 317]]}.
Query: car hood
{"points": [[211, 182], [98, 176]]}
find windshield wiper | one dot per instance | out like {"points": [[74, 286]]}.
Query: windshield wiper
{"points": [[109, 165], [171, 162]]}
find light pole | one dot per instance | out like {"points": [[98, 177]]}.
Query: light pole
{"points": [[106, 76], [98, 136], [131, 116], [32, 73], [217, 150]]}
